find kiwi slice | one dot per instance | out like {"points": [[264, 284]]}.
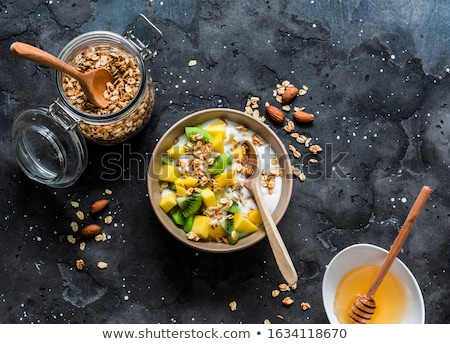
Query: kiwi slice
{"points": [[177, 216], [188, 223], [234, 208], [193, 131], [165, 159], [232, 235], [190, 204], [220, 163]]}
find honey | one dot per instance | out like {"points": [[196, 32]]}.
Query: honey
{"points": [[391, 298]]}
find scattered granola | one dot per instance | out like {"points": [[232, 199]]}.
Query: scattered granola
{"points": [[80, 215], [305, 306], [315, 149], [287, 301], [102, 265], [108, 219], [79, 264], [74, 226], [71, 239], [100, 237], [284, 287], [232, 305], [252, 108]]}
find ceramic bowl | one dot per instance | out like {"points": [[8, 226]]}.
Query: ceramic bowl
{"points": [[366, 254], [199, 118]]}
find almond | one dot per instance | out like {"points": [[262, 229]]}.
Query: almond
{"points": [[90, 231], [99, 205], [303, 117], [289, 94], [274, 113]]}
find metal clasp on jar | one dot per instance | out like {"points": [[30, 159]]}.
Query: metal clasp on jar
{"points": [[144, 48]]}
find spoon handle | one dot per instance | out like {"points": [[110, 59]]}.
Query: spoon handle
{"points": [[29, 52], [276, 242]]}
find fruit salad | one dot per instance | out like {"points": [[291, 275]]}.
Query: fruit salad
{"points": [[202, 182]]}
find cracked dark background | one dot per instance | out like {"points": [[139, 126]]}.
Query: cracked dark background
{"points": [[378, 79]]}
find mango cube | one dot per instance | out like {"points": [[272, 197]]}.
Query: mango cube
{"points": [[243, 224], [208, 197], [186, 181], [255, 216], [168, 201], [225, 178], [217, 128], [217, 232], [180, 191], [175, 151], [218, 143], [239, 152], [201, 226], [169, 173]]}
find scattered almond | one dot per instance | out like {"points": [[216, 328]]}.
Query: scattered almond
{"points": [[274, 113], [90, 231], [99, 205], [303, 117], [289, 94]]}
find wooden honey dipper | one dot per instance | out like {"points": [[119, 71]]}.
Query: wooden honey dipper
{"points": [[363, 308]]}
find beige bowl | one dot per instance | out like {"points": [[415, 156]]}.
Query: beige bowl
{"points": [[198, 118], [366, 254]]}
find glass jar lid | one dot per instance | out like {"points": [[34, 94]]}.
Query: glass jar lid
{"points": [[49, 147]]}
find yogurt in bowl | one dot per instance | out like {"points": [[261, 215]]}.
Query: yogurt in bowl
{"points": [[239, 127]]}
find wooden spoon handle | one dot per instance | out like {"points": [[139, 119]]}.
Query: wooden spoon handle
{"points": [[29, 52], [276, 242], [400, 239]]}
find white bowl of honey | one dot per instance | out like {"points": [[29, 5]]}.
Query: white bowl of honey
{"points": [[348, 275]]}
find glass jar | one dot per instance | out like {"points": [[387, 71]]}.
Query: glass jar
{"points": [[49, 144]]}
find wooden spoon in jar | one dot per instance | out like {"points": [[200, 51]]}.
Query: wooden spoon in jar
{"points": [[92, 82], [363, 308], [276, 242]]}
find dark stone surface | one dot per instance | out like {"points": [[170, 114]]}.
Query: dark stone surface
{"points": [[378, 78]]}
